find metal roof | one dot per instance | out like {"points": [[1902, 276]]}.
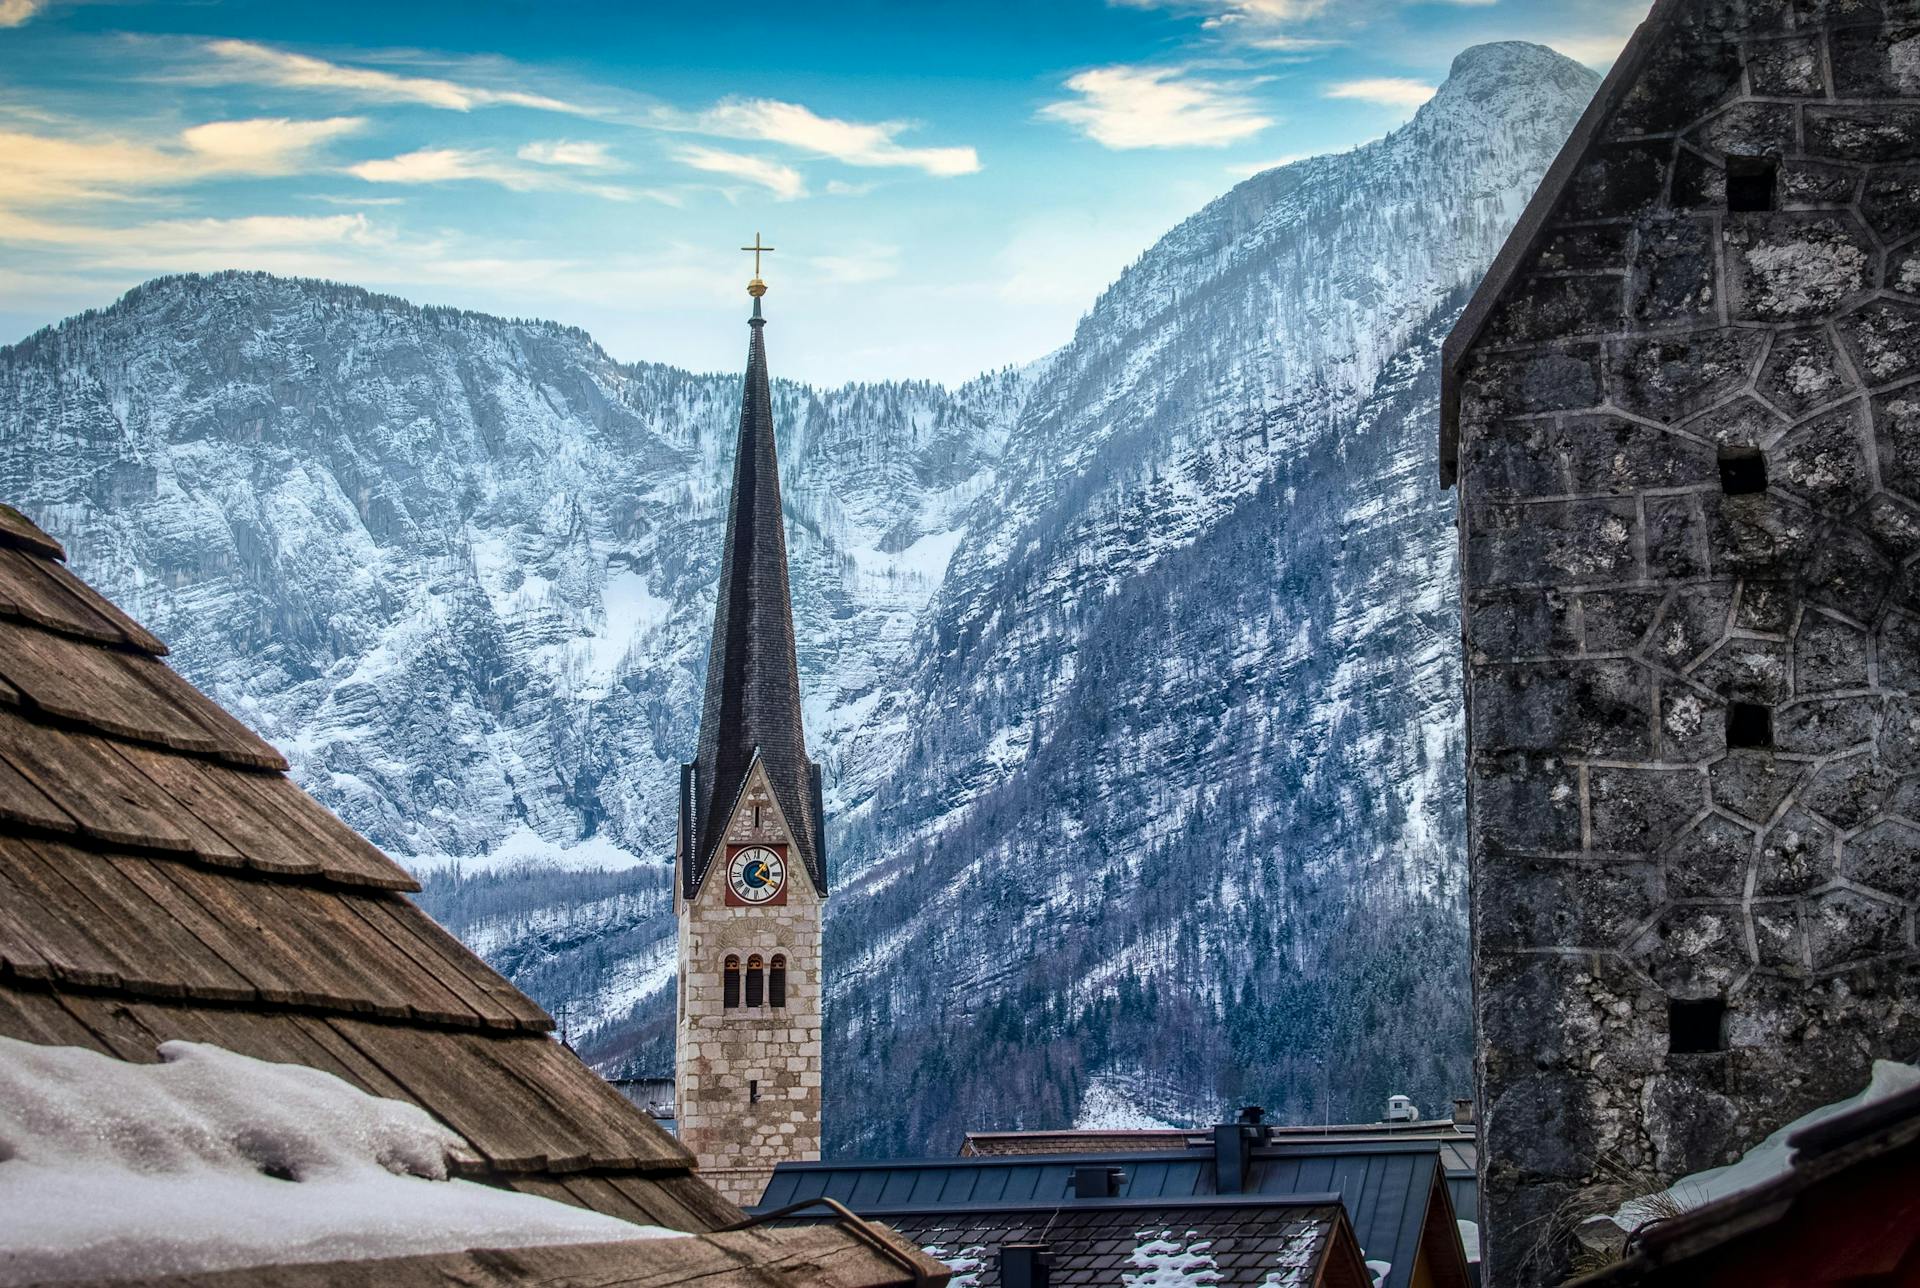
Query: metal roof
{"points": [[1387, 1186]]}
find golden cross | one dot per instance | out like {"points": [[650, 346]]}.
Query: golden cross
{"points": [[757, 250]]}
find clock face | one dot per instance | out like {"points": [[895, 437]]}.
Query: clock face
{"points": [[756, 874]]}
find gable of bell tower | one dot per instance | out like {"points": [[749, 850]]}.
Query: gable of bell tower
{"points": [[758, 819]]}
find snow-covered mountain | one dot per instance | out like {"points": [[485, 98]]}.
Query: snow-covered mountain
{"points": [[1133, 673]]}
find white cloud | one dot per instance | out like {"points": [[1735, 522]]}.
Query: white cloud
{"points": [[14, 13], [266, 145], [1155, 107], [851, 142], [461, 165], [783, 181], [587, 156], [152, 242], [1389, 91], [246, 62], [37, 169], [1293, 44], [1240, 17]]}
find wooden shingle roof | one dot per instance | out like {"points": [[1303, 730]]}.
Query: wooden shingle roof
{"points": [[161, 878]]}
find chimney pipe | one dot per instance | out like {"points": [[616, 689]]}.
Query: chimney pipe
{"points": [[1233, 1150], [1097, 1182], [1463, 1111], [1025, 1265]]}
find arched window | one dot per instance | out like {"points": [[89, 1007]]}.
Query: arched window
{"points": [[756, 980], [730, 984], [777, 982]]}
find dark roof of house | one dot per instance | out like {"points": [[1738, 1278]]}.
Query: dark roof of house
{"points": [[161, 878], [1302, 1242], [1392, 1190], [1459, 1146], [752, 703], [1521, 245], [1847, 1212]]}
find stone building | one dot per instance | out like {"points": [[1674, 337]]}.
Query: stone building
{"points": [[1683, 416], [751, 852]]}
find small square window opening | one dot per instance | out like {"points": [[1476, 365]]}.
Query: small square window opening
{"points": [[1749, 725], [1743, 470], [1696, 1027], [1751, 183]]}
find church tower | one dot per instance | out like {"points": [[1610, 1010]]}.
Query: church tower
{"points": [[751, 849]]}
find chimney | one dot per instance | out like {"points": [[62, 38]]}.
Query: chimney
{"points": [[1025, 1265], [1233, 1149], [1098, 1182], [1463, 1111]]}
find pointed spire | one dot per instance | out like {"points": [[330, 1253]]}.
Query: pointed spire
{"points": [[752, 704]]}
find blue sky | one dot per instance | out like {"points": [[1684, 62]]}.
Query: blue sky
{"points": [[948, 186]]}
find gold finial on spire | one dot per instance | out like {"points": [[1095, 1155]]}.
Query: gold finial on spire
{"points": [[756, 288]]}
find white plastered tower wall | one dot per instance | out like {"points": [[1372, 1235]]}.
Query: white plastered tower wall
{"points": [[727, 1053]]}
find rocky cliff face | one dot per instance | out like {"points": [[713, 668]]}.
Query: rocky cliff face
{"points": [[1133, 673]]}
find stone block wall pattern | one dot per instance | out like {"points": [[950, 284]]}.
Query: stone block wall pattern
{"points": [[726, 1053], [1688, 456]]}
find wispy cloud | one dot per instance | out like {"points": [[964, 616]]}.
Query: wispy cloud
{"points": [[463, 165], [149, 243], [1388, 91], [782, 180], [854, 143], [1293, 44], [1254, 20], [15, 13], [247, 62], [1155, 107], [1227, 13], [586, 156], [36, 169]]}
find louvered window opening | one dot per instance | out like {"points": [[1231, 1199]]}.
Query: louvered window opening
{"points": [[777, 982], [730, 984], [756, 981]]}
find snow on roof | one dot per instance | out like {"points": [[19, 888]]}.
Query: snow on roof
{"points": [[211, 1160], [1771, 1158]]}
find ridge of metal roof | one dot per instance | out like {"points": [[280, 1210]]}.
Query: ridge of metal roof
{"points": [[1302, 1199], [1288, 1147]]}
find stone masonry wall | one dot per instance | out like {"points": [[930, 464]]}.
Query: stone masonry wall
{"points": [[721, 1051], [1620, 600]]}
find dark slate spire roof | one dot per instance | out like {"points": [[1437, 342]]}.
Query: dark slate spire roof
{"points": [[753, 684]]}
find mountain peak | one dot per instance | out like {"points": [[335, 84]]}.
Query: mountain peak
{"points": [[1485, 75]]}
